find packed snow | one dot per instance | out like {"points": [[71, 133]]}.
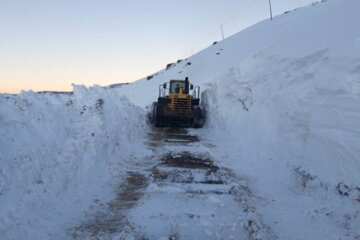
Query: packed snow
{"points": [[282, 130], [59, 153]]}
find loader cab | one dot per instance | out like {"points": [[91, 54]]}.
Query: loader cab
{"points": [[180, 86], [177, 86]]}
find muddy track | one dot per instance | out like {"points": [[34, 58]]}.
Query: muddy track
{"points": [[184, 195], [202, 199], [161, 137], [110, 219]]}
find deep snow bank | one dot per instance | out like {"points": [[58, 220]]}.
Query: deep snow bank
{"points": [[292, 125], [298, 109], [58, 153]]}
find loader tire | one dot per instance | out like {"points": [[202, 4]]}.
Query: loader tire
{"points": [[152, 114], [199, 118], [158, 115]]}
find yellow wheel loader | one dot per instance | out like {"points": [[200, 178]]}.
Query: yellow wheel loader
{"points": [[177, 107]]}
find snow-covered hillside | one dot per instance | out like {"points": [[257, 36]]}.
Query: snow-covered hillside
{"points": [[283, 109]]}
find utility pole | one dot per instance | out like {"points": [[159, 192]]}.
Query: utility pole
{"points": [[271, 17], [222, 32]]}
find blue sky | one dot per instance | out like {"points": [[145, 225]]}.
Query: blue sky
{"points": [[49, 44]]}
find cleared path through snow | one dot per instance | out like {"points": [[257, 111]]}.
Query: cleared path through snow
{"points": [[183, 194]]}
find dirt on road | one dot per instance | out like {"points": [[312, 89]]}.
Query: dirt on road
{"points": [[184, 194]]}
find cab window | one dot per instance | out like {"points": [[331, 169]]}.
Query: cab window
{"points": [[176, 85]]}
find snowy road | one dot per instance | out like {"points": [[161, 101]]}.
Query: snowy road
{"points": [[182, 194]]}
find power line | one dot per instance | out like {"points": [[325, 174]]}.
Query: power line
{"points": [[226, 22], [239, 12]]}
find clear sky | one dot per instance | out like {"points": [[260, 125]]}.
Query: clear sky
{"points": [[49, 44]]}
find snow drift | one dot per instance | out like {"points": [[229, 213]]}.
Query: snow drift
{"points": [[59, 153]]}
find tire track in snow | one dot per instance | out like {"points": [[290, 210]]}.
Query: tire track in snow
{"points": [[183, 195], [190, 197]]}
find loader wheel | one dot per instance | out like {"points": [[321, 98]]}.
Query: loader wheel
{"points": [[158, 115], [152, 115], [199, 118]]}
